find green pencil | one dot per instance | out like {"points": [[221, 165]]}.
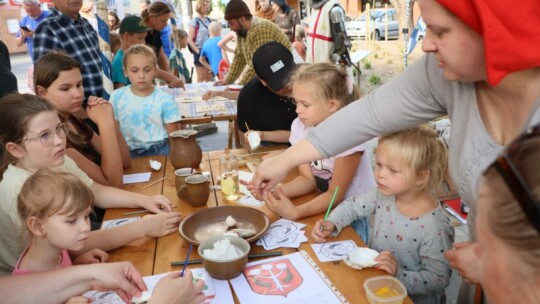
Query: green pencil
{"points": [[330, 206]]}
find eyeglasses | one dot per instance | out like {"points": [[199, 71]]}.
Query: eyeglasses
{"points": [[514, 180], [47, 137]]}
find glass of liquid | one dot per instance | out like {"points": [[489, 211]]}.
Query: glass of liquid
{"points": [[230, 186]]}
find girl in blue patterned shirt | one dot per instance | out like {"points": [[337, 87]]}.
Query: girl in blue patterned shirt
{"points": [[146, 115]]}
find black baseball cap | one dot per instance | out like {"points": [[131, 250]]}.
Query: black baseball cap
{"points": [[273, 63]]}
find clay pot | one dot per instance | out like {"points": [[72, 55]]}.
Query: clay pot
{"points": [[185, 151]]}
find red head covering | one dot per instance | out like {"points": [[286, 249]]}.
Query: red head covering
{"points": [[511, 32]]}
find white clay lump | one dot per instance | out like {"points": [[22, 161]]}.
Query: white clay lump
{"points": [[230, 221], [223, 250], [144, 298]]}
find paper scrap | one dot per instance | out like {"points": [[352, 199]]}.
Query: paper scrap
{"points": [[137, 178], [333, 251], [250, 201], [118, 222]]}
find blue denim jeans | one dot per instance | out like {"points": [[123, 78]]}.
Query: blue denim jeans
{"points": [[361, 226], [161, 148]]}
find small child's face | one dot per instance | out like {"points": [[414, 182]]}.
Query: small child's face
{"points": [[310, 110], [183, 42], [392, 175], [134, 38], [67, 231], [65, 92], [141, 70]]}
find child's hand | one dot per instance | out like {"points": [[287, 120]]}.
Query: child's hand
{"points": [[249, 186], [92, 256], [280, 204], [158, 225], [319, 235], [387, 262], [156, 204], [101, 113], [78, 300]]}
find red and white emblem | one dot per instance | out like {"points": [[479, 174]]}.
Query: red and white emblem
{"points": [[279, 277]]}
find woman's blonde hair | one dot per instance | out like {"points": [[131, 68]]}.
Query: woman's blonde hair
{"points": [[326, 82], [422, 151], [155, 9], [199, 7], [48, 192], [505, 217], [139, 49]]}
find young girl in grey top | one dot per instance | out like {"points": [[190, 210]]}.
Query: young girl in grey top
{"points": [[411, 231]]}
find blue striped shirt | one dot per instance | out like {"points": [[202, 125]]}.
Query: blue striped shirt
{"points": [[78, 39]]}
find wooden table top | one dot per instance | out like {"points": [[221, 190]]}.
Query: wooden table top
{"points": [[173, 247]]}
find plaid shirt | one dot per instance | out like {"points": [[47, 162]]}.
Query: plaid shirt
{"points": [[261, 32], [78, 39]]}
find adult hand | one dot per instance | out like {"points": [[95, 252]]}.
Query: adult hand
{"points": [[173, 289], [156, 204], [78, 300], [176, 83], [387, 262], [319, 235], [269, 173], [463, 259], [121, 277], [26, 34], [280, 204], [158, 225], [209, 95], [92, 256], [221, 82]]}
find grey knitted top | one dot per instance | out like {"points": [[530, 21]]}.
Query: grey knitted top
{"points": [[418, 95]]}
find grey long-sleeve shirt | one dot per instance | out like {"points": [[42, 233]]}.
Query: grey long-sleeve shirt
{"points": [[418, 244], [418, 95]]}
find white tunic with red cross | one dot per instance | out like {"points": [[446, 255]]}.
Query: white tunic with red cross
{"points": [[320, 44]]}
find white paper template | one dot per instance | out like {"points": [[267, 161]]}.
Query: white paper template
{"points": [[118, 222], [137, 178], [333, 251]]}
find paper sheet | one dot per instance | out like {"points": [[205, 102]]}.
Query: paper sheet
{"points": [[198, 99], [333, 251], [283, 233], [215, 291], [137, 178], [285, 279], [118, 222], [209, 108]]}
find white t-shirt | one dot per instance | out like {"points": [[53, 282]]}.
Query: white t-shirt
{"points": [[12, 240], [363, 179]]}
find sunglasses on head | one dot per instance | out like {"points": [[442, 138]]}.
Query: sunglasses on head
{"points": [[506, 167]]}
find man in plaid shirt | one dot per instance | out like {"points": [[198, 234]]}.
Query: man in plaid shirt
{"points": [[252, 32], [67, 31]]}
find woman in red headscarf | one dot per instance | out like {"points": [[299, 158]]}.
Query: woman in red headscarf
{"points": [[482, 69]]}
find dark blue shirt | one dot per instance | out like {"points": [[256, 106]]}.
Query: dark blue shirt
{"points": [[78, 39]]}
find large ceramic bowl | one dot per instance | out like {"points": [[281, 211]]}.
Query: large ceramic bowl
{"points": [[210, 222], [224, 269]]}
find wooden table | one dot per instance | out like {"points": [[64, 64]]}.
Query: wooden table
{"points": [[174, 248], [191, 116]]}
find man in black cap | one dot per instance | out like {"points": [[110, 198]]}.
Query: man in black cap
{"points": [[265, 104], [252, 33]]}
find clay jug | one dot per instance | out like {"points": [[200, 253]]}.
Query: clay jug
{"points": [[185, 151]]}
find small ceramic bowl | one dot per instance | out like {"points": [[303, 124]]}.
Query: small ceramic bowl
{"points": [[229, 268]]}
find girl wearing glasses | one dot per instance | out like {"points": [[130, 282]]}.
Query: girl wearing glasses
{"points": [[411, 231], [508, 225], [34, 138], [57, 77]]}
